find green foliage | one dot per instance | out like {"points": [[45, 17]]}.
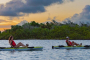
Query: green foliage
{"points": [[48, 30], [0, 32], [33, 23]]}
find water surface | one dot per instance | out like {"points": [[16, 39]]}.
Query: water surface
{"points": [[48, 53]]}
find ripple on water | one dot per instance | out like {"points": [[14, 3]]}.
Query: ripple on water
{"points": [[48, 53]]}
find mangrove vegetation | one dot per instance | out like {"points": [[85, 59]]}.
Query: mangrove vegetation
{"points": [[48, 30]]}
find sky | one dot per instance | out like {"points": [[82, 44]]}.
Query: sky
{"points": [[18, 12]]}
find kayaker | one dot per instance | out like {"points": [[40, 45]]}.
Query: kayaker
{"points": [[13, 44], [69, 43]]}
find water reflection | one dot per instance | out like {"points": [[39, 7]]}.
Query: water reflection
{"points": [[12, 52]]}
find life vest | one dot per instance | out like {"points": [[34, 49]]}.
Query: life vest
{"points": [[13, 43], [69, 42]]}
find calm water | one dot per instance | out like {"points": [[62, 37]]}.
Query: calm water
{"points": [[48, 53]]}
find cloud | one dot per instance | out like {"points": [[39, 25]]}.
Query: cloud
{"points": [[86, 12], [2, 26], [7, 22], [2, 20], [19, 8], [5, 26], [22, 22], [84, 16], [54, 18], [49, 18]]}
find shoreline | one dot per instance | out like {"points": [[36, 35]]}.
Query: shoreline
{"points": [[45, 39]]}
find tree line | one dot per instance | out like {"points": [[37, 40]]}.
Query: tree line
{"points": [[48, 30]]}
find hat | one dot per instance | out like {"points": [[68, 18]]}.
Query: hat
{"points": [[67, 37]]}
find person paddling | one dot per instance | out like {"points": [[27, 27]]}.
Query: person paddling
{"points": [[69, 43], [13, 44]]}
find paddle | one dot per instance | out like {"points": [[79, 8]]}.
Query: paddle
{"points": [[58, 46], [30, 47], [61, 46], [87, 46], [2, 47]]}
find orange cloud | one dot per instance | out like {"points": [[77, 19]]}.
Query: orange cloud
{"points": [[6, 24]]}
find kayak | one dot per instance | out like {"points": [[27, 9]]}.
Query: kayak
{"points": [[21, 49], [71, 47]]}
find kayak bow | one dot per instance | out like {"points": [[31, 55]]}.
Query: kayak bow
{"points": [[21, 49]]}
